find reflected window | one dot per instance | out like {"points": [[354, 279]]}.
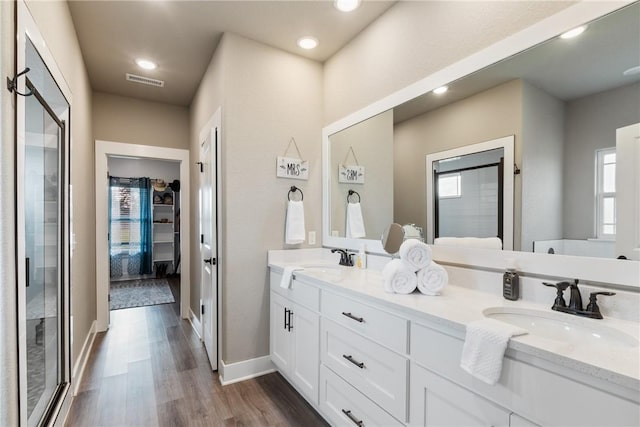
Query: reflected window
{"points": [[606, 193], [450, 185]]}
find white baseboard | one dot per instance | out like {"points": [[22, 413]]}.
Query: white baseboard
{"points": [[240, 371], [195, 323], [81, 363]]}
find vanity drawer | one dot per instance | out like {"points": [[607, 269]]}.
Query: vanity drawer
{"points": [[382, 327], [547, 395], [299, 292], [339, 400], [376, 371]]}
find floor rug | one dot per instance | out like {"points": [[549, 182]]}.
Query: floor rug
{"points": [[139, 293]]}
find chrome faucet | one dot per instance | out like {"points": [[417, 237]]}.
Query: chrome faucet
{"points": [[575, 302], [346, 258]]}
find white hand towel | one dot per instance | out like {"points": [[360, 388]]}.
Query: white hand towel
{"points": [[294, 227], [471, 242], [415, 253], [484, 347], [355, 224], [287, 275], [432, 279], [399, 277]]}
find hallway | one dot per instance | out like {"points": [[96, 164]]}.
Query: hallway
{"points": [[151, 369]]}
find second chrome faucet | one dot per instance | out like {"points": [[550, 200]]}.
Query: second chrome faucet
{"points": [[575, 301]]}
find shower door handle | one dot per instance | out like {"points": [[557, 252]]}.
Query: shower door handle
{"points": [[26, 267]]}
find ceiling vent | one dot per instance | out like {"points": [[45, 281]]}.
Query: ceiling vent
{"points": [[144, 80]]}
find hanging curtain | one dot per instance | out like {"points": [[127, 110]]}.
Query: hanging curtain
{"points": [[130, 225]]}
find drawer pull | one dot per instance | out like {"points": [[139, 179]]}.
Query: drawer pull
{"points": [[356, 421], [350, 359], [351, 316]]}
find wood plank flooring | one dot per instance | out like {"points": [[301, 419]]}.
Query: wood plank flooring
{"points": [[150, 369]]}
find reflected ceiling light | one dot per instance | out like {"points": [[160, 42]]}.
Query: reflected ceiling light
{"points": [[441, 90], [573, 33], [346, 5], [631, 71], [307, 42], [145, 64]]}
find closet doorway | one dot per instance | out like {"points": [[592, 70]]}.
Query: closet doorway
{"points": [[144, 232], [142, 227]]}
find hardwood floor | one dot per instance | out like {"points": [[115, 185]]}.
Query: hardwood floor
{"points": [[150, 369]]}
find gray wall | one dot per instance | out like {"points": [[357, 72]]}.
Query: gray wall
{"points": [[134, 168], [591, 124], [491, 114], [134, 121], [414, 39], [372, 142], [267, 97], [542, 166]]}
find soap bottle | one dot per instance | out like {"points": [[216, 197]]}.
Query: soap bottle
{"points": [[511, 285], [361, 262]]}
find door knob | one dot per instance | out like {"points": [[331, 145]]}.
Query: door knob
{"points": [[211, 261]]}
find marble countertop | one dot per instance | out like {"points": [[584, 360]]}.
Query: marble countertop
{"points": [[457, 306]]}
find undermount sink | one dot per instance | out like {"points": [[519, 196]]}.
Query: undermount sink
{"points": [[330, 272], [561, 327]]}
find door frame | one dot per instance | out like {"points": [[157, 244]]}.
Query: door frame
{"points": [[209, 127], [105, 149]]}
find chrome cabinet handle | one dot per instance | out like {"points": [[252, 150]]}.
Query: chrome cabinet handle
{"points": [[356, 421], [351, 316], [355, 362]]}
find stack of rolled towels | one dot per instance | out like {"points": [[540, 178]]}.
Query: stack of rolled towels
{"points": [[414, 269]]}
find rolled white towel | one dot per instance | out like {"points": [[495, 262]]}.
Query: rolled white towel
{"points": [[415, 253], [399, 277], [432, 279]]}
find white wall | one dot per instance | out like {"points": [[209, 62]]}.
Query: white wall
{"points": [[412, 40], [542, 166]]}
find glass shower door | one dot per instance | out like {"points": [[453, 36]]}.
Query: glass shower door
{"points": [[43, 255]]}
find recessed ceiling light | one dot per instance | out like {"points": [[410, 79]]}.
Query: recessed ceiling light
{"points": [[441, 90], [346, 5], [573, 33], [307, 42], [146, 64], [631, 71]]}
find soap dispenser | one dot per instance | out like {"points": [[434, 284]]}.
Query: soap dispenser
{"points": [[361, 263], [511, 283]]}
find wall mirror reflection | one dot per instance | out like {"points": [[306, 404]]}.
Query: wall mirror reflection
{"points": [[564, 101]]}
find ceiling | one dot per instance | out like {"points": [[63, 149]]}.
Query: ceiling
{"points": [[567, 69], [181, 36]]}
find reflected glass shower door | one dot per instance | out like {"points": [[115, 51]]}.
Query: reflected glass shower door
{"points": [[43, 180]]}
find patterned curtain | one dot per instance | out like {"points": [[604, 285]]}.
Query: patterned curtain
{"points": [[130, 225]]}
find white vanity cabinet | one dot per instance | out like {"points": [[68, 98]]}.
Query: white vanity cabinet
{"points": [[294, 332], [358, 358]]}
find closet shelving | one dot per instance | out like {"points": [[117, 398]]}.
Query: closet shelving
{"points": [[163, 204]]}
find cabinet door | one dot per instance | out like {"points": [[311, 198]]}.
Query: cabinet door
{"points": [[305, 351], [280, 337], [439, 402]]}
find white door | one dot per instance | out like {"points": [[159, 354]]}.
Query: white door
{"points": [[628, 191], [208, 238]]}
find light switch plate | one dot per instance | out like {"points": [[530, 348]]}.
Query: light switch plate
{"points": [[312, 237]]}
